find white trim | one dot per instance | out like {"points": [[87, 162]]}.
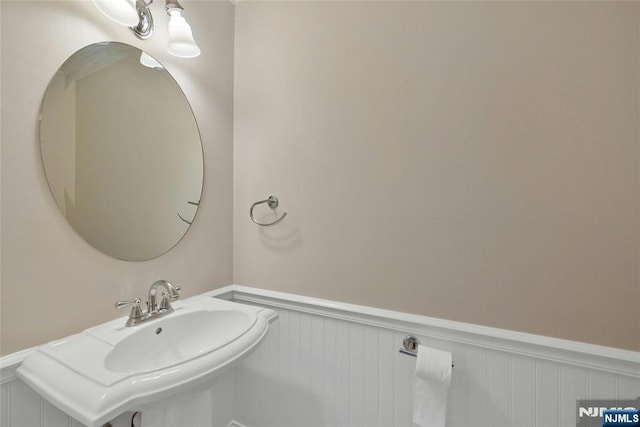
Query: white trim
{"points": [[10, 363], [608, 359]]}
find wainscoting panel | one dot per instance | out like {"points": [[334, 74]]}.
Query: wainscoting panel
{"points": [[319, 367], [523, 391], [20, 406], [4, 404], [211, 407]]}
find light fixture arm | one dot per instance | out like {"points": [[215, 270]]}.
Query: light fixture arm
{"points": [[128, 12], [144, 29], [173, 6]]}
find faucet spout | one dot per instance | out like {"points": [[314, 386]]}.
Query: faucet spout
{"points": [[172, 293]]}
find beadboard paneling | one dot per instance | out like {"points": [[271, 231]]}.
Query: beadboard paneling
{"points": [[5, 407], [315, 369], [20, 406], [26, 406], [210, 407]]}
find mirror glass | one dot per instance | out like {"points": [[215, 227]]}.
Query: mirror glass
{"points": [[121, 151]]}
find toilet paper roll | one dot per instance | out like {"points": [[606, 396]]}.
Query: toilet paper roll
{"points": [[433, 377]]}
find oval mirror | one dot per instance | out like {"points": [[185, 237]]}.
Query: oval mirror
{"points": [[121, 151]]}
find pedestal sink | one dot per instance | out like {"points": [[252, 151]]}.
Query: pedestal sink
{"points": [[109, 369]]}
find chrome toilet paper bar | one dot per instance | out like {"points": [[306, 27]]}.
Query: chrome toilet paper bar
{"points": [[410, 344]]}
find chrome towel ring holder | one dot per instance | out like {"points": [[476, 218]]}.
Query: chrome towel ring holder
{"points": [[272, 201]]}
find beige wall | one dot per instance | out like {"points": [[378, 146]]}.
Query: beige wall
{"points": [[471, 161], [52, 283]]}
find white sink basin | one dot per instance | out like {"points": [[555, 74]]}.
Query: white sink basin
{"points": [[96, 375], [172, 340]]}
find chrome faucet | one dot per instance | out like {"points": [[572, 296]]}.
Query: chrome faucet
{"points": [[137, 316], [171, 294]]}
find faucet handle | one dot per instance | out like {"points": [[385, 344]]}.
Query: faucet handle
{"points": [[136, 311], [176, 293], [134, 302], [165, 302]]}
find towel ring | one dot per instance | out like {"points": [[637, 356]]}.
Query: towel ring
{"points": [[272, 201]]}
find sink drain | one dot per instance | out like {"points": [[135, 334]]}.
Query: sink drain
{"points": [[158, 331]]}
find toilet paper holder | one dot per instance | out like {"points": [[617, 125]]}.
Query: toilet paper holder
{"points": [[410, 346]]}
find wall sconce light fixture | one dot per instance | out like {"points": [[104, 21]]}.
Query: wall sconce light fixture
{"points": [[136, 15]]}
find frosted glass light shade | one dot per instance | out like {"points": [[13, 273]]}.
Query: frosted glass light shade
{"points": [[121, 11], [181, 42]]}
